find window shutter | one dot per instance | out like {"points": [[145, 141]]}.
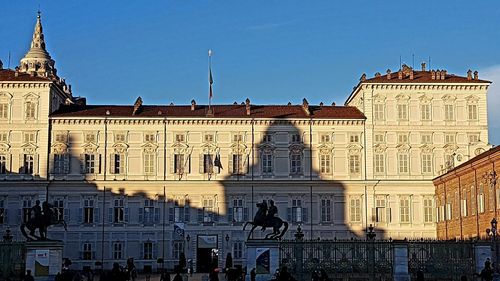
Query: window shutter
{"points": [[112, 163], [305, 215], [230, 164], [123, 163], [188, 159], [374, 214], [187, 215], [141, 215], [245, 214], [157, 215], [173, 163], [202, 164], [80, 215], [289, 214], [6, 216], [126, 217], [36, 168], [245, 164], [216, 214], [388, 217], [67, 163], [141, 254], [97, 216], [171, 214], [155, 251], [110, 215], [200, 215], [51, 163], [229, 215], [98, 156], [82, 163], [21, 164], [67, 215]]}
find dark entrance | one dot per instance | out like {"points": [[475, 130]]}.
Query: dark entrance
{"points": [[207, 253]]}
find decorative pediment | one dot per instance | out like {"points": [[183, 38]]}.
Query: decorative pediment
{"points": [[472, 99], [149, 147], [90, 148], [379, 148], [208, 147], [31, 96], [448, 98], [238, 148], [180, 147], [450, 148], [403, 148], [402, 97], [478, 151], [120, 147], [426, 148], [4, 148], [267, 148], [378, 98], [354, 148], [59, 148], [425, 98], [325, 149], [296, 148], [29, 148], [5, 96]]}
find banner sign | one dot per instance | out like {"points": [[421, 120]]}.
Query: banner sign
{"points": [[207, 241], [262, 262], [42, 262]]}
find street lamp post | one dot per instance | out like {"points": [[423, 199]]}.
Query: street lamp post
{"points": [[493, 234], [370, 237]]}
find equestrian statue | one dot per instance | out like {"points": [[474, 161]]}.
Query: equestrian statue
{"points": [[41, 218], [266, 216]]}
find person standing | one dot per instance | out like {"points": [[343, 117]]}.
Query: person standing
{"points": [[253, 275], [28, 276]]}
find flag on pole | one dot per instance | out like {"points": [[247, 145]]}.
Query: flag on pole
{"points": [[210, 78], [217, 162]]}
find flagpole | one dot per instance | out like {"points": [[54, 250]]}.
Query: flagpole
{"points": [[210, 81]]}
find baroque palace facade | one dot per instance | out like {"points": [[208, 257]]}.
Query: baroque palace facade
{"points": [[140, 181]]}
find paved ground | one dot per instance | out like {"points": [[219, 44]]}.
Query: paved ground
{"points": [[194, 277]]}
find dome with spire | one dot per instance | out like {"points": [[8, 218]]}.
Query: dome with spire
{"points": [[37, 60]]}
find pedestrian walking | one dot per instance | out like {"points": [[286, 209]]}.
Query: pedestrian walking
{"points": [[253, 275], [165, 276], [487, 272]]}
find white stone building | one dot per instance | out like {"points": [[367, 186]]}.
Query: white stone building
{"points": [[125, 177]]}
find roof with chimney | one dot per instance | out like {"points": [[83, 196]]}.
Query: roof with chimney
{"points": [[9, 75], [217, 111]]}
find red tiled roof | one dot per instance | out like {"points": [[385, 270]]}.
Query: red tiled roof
{"points": [[9, 75], [422, 77], [220, 111]]}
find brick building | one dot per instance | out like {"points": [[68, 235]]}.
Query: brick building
{"points": [[467, 197]]}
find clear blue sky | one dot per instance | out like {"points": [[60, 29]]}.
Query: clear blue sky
{"points": [[270, 51]]}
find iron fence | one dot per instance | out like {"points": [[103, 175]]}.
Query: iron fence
{"points": [[12, 260]]}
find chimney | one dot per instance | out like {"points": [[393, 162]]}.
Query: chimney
{"points": [[443, 74], [400, 74], [321, 104], [433, 74], [137, 105], [247, 106], [1, 64], [363, 78], [289, 104], [388, 74], [469, 74], [423, 66], [377, 74], [193, 105], [305, 106], [411, 74], [333, 104], [235, 103], [476, 76]]}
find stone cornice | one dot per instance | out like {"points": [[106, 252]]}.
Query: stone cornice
{"points": [[24, 84], [426, 86]]}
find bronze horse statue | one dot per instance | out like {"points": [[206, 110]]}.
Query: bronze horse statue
{"points": [[49, 215], [261, 219]]}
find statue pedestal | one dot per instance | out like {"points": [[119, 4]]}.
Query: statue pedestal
{"points": [[44, 259], [264, 256]]}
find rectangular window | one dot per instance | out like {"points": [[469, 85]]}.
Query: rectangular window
{"points": [[149, 211], [325, 162], [238, 250], [428, 210], [61, 137], [2, 212], [473, 200], [473, 138], [355, 210], [449, 113], [148, 250], [90, 163], [404, 209], [117, 250], [118, 211], [209, 137], [378, 112], [379, 160], [425, 112], [149, 137], [238, 164], [179, 137], [267, 163], [354, 138], [4, 137], [177, 249], [402, 138], [426, 138], [30, 110], [87, 251], [178, 163], [295, 163], [90, 137], [208, 164], [325, 138], [4, 110], [26, 209], [448, 211], [472, 112], [295, 138], [402, 112], [30, 137], [237, 138], [59, 206], [379, 138], [59, 163], [449, 138], [297, 210], [354, 164], [267, 138], [88, 210], [149, 163], [463, 207], [238, 210], [118, 162], [326, 210], [28, 164], [380, 209], [403, 163], [427, 163], [208, 210], [3, 164]]}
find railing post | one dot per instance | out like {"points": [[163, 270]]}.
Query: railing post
{"points": [[400, 262]]}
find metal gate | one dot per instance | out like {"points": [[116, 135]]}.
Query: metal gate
{"points": [[12, 260]]}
